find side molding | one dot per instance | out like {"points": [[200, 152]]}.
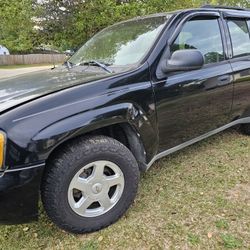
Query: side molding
{"points": [[199, 138]]}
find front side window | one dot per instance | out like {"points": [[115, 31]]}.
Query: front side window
{"points": [[240, 37], [122, 44], [203, 35]]}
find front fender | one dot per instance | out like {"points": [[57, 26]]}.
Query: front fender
{"points": [[52, 136]]}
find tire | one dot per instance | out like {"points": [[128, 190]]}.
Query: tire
{"points": [[96, 163], [245, 128]]}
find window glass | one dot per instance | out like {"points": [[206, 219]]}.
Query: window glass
{"points": [[203, 35], [240, 37], [122, 44]]}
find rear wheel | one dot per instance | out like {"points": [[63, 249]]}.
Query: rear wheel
{"points": [[90, 184]]}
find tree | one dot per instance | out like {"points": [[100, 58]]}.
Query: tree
{"points": [[17, 27], [241, 3], [69, 23], [65, 24]]}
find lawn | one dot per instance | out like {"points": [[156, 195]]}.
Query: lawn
{"points": [[197, 198]]}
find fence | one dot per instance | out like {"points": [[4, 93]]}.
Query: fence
{"points": [[31, 59]]}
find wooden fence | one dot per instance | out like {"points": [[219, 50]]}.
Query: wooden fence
{"points": [[31, 59]]}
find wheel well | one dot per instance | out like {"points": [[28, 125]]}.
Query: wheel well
{"points": [[123, 133]]}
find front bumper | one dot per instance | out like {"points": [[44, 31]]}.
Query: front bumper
{"points": [[19, 195]]}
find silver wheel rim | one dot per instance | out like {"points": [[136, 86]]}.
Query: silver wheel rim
{"points": [[96, 188]]}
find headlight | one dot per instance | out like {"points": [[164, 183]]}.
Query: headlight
{"points": [[2, 149]]}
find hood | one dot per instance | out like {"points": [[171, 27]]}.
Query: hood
{"points": [[17, 90]]}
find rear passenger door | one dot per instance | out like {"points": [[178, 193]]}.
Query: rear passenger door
{"points": [[239, 36]]}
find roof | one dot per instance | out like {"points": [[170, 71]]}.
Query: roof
{"points": [[204, 8], [231, 10], [228, 10], [3, 47], [222, 7]]}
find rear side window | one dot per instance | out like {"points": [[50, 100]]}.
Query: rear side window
{"points": [[240, 37], [203, 35]]}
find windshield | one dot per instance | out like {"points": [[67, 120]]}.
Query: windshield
{"points": [[122, 44]]}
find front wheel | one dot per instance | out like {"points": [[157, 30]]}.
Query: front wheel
{"points": [[90, 184]]}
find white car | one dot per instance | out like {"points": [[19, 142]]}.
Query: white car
{"points": [[4, 50]]}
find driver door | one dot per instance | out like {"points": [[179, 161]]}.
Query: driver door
{"points": [[192, 103]]}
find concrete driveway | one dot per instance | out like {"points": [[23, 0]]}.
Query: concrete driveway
{"points": [[5, 73]]}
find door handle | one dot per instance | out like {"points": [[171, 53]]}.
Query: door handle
{"points": [[224, 80]]}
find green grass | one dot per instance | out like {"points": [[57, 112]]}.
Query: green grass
{"points": [[230, 241], [197, 198], [24, 66], [222, 224], [193, 239]]}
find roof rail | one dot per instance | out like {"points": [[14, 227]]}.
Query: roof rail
{"points": [[222, 7]]}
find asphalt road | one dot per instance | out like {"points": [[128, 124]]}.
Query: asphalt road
{"points": [[5, 73]]}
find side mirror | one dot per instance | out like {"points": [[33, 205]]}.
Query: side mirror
{"points": [[184, 60]]}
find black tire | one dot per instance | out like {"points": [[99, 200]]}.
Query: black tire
{"points": [[61, 169], [245, 128]]}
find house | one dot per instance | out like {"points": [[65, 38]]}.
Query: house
{"points": [[4, 50]]}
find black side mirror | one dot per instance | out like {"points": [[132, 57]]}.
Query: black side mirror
{"points": [[184, 60]]}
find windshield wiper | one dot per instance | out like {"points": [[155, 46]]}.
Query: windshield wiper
{"points": [[99, 64], [68, 64]]}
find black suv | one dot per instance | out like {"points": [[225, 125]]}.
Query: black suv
{"points": [[81, 133]]}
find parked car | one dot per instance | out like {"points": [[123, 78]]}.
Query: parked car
{"points": [[69, 52], [137, 91], [4, 50]]}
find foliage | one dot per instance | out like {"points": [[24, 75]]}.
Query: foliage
{"points": [[16, 26], [66, 24], [73, 22]]}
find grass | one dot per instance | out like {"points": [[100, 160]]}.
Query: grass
{"points": [[230, 241], [222, 224], [18, 66], [197, 198]]}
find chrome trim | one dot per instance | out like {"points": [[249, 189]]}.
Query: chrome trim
{"points": [[24, 168], [199, 138]]}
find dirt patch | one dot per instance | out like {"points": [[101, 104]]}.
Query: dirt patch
{"points": [[241, 192]]}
